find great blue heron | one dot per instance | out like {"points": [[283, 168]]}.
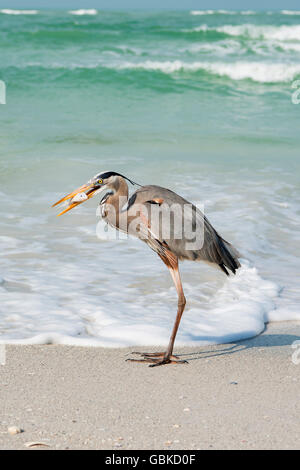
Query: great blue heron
{"points": [[154, 214]]}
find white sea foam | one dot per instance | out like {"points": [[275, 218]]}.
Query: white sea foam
{"points": [[290, 12], [287, 46], [72, 288], [213, 12], [8, 11], [81, 12], [227, 12], [237, 309], [222, 12], [202, 12], [283, 32], [256, 71], [261, 72]]}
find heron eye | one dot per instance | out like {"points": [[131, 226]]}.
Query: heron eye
{"points": [[100, 181]]}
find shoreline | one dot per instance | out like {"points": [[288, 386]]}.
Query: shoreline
{"points": [[242, 395]]}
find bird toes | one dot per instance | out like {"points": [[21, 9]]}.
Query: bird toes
{"points": [[157, 359], [168, 361]]}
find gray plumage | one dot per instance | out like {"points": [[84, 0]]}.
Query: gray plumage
{"points": [[214, 249], [170, 225]]}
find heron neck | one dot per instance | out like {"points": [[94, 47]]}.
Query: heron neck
{"points": [[116, 201]]}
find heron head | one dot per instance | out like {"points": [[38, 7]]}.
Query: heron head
{"points": [[101, 181]]}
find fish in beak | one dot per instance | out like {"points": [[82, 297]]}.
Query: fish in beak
{"points": [[78, 196]]}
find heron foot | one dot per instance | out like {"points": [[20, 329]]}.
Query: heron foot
{"points": [[157, 359]]}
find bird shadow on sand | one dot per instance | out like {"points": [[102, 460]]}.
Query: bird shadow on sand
{"points": [[261, 341]]}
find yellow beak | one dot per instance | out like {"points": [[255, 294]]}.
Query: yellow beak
{"points": [[88, 189]]}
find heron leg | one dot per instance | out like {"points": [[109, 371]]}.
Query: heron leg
{"points": [[157, 359]]}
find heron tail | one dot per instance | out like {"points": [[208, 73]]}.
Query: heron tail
{"points": [[229, 256]]}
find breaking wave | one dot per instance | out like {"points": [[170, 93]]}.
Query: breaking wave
{"points": [[256, 71], [222, 12], [7, 11], [290, 12], [81, 12], [283, 32]]}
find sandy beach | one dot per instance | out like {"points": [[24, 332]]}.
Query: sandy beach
{"points": [[235, 396]]}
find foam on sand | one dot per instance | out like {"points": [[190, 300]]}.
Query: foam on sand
{"points": [[237, 310], [73, 288]]}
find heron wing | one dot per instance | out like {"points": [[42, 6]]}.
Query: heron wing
{"points": [[172, 223]]}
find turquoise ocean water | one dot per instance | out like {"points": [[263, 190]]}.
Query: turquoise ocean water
{"points": [[200, 102]]}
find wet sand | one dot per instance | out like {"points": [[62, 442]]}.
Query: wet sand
{"points": [[243, 395]]}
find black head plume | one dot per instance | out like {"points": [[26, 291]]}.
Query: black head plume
{"points": [[108, 174]]}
